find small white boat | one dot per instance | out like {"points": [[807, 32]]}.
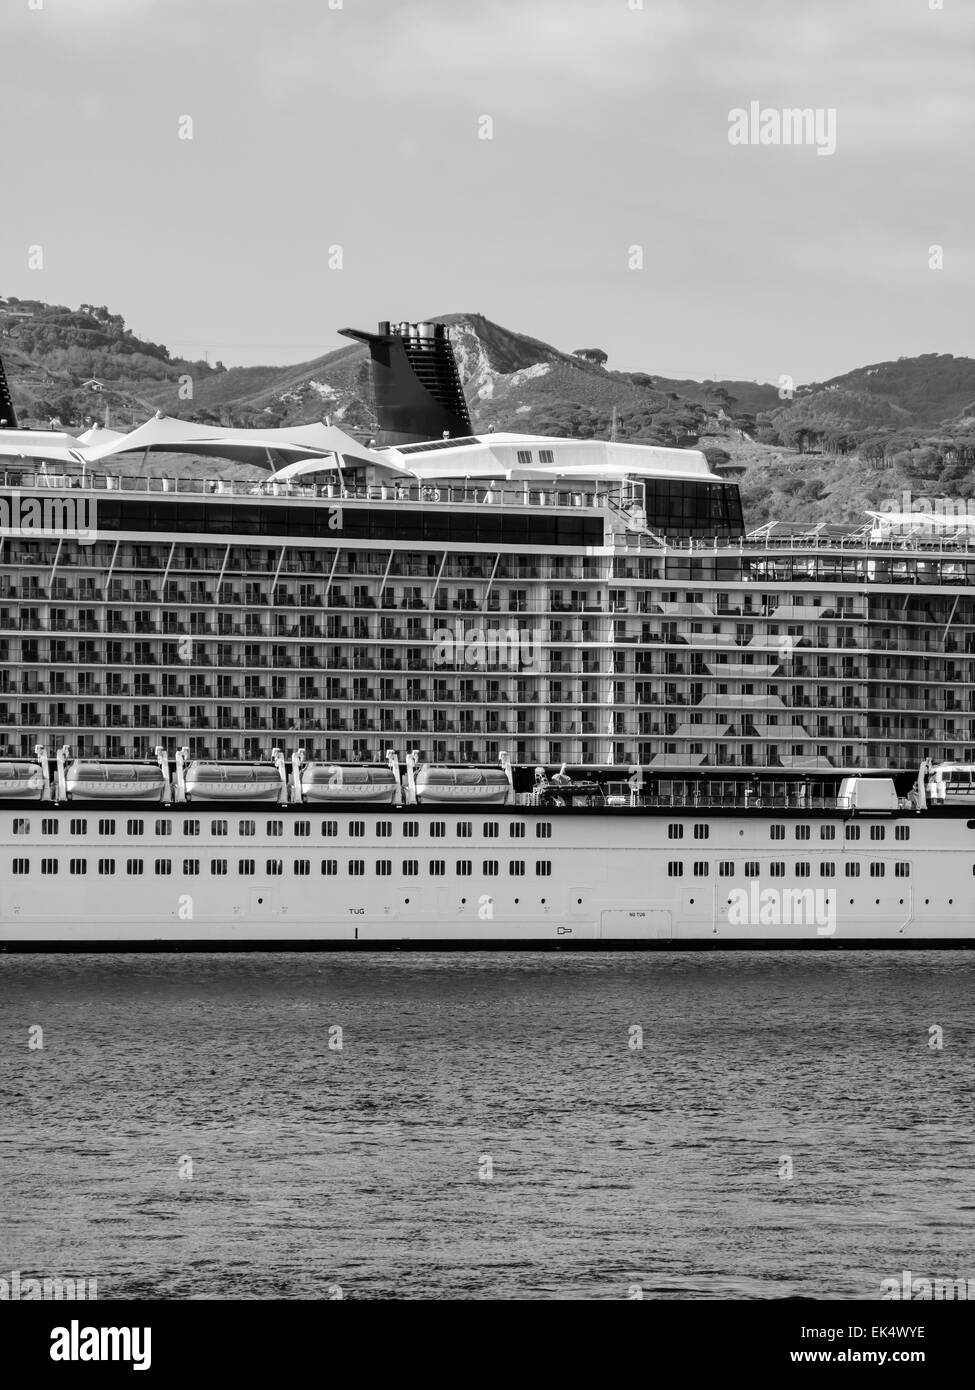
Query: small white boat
{"points": [[108, 781], [332, 782], [206, 781], [447, 785], [21, 780]]}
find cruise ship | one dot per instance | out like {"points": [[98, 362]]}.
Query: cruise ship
{"points": [[439, 687]]}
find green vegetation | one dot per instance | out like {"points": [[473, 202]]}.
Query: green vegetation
{"points": [[92, 342], [658, 422], [80, 361], [594, 355]]}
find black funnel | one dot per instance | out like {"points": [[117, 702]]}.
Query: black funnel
{"points": [[8, 416], [417, 386]]}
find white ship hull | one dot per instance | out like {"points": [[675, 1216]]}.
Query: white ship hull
{"points": [[186, 877]]}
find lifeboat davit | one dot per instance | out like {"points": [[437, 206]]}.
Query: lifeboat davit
{"points": [[455, 785], [98, 781], [332, 782]]}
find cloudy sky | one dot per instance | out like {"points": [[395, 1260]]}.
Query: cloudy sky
{"points": [[357, 124]]}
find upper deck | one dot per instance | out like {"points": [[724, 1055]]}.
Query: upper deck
{"points": [[566, 494], [479, 514], [431, 492]]}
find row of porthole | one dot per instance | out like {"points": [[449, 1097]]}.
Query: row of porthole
{"points": [[517, 900], [927, 901]]}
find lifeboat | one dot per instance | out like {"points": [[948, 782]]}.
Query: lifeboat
{"points": [[205, 781], [97, 781], [332, 782], [435, 785], [21, 780]]}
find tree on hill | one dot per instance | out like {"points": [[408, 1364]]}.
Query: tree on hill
{"points": [[874, 448], [835, 440], [594, 355], [765, 433], [64, 409], [720, 397], [799, 437]]}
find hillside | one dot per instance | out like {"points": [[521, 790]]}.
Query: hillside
{"points": [[77, 363], [834, 449], [930, 388], [881, 410]]}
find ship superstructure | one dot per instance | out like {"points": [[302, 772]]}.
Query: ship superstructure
{"points": [[573, 601]]}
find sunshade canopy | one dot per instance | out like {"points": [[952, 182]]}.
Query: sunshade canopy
{"points": [[271, 449]]}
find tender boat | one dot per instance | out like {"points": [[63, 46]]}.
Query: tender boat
{"points": [[21, 780], [206, 781], [107, 781], [457, 785], [319, 782]]}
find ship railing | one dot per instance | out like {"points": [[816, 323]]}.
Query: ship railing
{"points": [[868, 547], [435, 491], [742, 801], [432, 492]]}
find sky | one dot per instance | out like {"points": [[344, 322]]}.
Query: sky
{"points": [[563, 167]]}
